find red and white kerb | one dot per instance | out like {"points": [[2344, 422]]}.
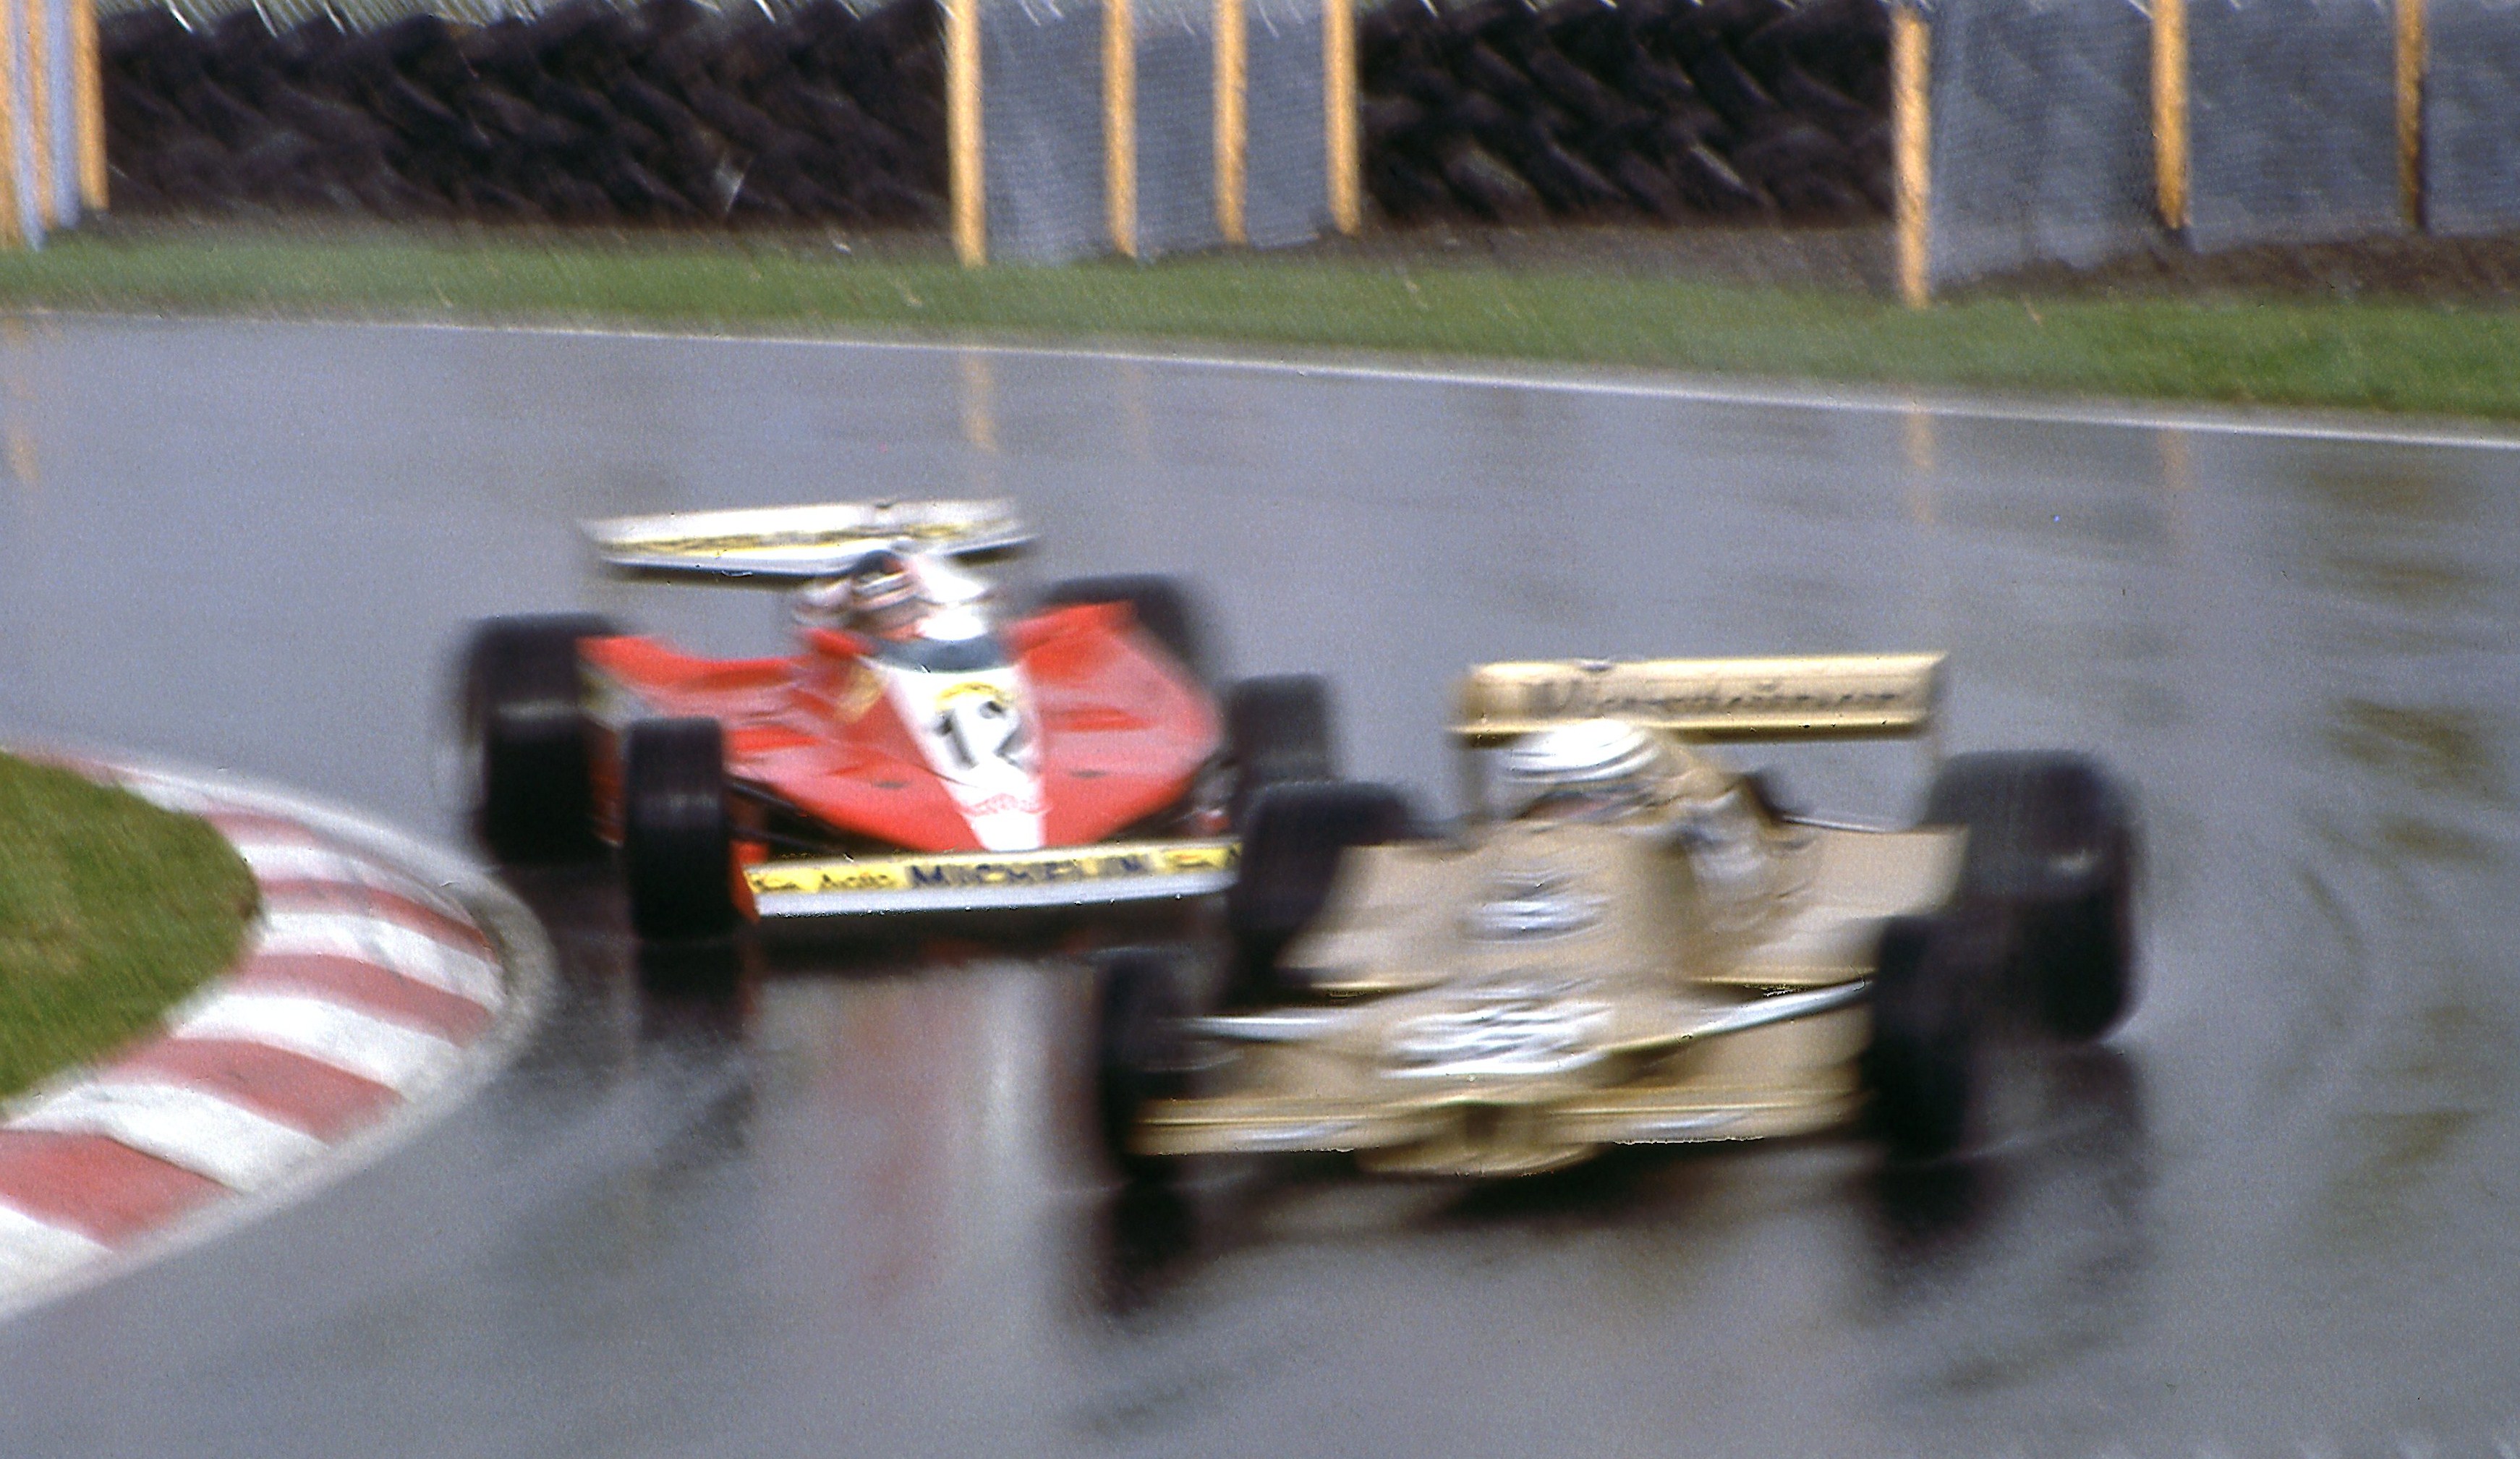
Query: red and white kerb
{"points": [[358, 989]]}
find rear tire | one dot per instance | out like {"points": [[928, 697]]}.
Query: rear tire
{"points": [[1291, 848], [2052, 841], [1276, 730], [1165, 609], [1141, 1053], [1921, 1062], [525, 725], [677, 838]]}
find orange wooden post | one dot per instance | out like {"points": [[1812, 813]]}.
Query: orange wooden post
{"points": [[966, 173], [1911, 148], [2170, 109]]}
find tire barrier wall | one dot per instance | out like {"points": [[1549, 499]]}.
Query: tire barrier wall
{"points": [[1659, 109], [670, 113], [51, 118], [2471, 118], [2042, 133], [2293, 122], [583, 113], [1152, 126]]}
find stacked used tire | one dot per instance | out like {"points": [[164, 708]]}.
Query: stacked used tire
{"points": [[585, 113], [1665, 109]]}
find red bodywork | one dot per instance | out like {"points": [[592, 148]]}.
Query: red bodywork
{"points": [[1123, 730]]}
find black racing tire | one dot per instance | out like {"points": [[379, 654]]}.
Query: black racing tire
{"points": [[1164, 607], [1291, 845], [2052, 838], [1920, 1062], [677, 835], [1276, 730], [524, 727], [1140, 1051]]}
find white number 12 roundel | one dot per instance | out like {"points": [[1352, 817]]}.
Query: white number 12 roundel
{"points": [[980, 725]]}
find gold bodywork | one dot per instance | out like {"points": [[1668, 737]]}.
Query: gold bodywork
{"points": [[1513, 1000]]}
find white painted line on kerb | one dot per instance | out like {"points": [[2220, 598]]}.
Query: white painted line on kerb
{"points": [[296, 861], [403, 1059], [197, 1130], [32, 1248], [372, 938], [168, 795], [1605, 381]]}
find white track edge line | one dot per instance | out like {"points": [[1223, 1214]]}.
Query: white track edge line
{"points": [[1635, 383]]}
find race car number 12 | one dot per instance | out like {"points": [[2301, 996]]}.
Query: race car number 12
{"points": [[978, 727]]}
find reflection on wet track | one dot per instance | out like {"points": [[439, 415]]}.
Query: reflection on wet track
{"points": [[852, 1208]]}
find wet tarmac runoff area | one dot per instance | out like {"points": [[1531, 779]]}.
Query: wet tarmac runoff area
{"points": [[855, 1210]]}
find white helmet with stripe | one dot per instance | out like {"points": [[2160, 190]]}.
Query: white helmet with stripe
{"points": [[1597, 767]]}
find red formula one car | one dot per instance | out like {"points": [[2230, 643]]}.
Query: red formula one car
{"points": [[915, 754]]}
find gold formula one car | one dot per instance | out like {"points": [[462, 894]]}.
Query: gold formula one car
{"points": [[1631, 944]]}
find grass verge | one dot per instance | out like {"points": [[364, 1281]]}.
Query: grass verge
{"points": [[110, 910], [2387, 355]]}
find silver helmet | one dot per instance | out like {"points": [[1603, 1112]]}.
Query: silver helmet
{"points": [[1603, 766]]}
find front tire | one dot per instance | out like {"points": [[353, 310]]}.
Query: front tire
{"points": [[677, 835], [1921, 1064], [2052, 841], [1141, 1053], [524, 726], [1291, 845], [1276, 731]]}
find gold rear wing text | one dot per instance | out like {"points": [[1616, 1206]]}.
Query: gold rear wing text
{"points": [[1821, 696]]}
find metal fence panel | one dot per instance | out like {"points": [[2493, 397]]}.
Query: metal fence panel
{"points": [[1286, 178], [1175, 126], [1041, 124], [22, 58], [2472, 118], [2292, 122], [2042, 133], [60, 74]]}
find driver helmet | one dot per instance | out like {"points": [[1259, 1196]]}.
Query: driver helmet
{"points": [[886, 598], [1592, 769]]}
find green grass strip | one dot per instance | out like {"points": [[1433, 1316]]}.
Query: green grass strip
{"points": [[110, 910], [2386, 355]]}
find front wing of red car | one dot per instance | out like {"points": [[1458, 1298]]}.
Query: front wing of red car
{"points": [[992, 881]]}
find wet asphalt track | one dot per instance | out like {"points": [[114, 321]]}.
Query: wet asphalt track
{"points": [[853, 1214]]}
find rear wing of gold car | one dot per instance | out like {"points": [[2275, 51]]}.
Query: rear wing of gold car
{"points": [[1817, 696], [792, 543]]}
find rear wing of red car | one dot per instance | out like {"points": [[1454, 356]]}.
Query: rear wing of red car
{"points": [[796, 543], [1849, 696]]}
